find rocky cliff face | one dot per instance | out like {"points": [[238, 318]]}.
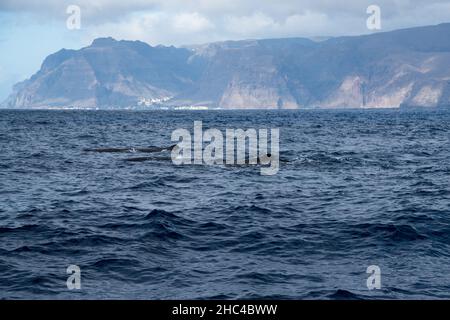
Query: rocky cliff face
{"points": [[108, 73], [408, 68]]}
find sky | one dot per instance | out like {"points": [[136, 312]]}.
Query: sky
{"points": [[31, 30]]}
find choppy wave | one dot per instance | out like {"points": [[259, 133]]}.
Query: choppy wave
{"points": [[355, 189]]}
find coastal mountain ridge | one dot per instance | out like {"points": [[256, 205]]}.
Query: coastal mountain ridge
{"points": [[403, 68]]}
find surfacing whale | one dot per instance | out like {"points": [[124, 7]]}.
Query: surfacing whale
{"points": [[150, 149], [142, 159], [160, 158]]}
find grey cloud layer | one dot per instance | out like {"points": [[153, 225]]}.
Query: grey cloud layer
{"points": [[187, 21]]}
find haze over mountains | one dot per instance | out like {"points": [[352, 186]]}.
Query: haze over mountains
{"points": [[404, 68]]}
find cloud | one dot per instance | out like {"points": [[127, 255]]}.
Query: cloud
{"points": [[157, 28], [191, 21], [262, 25], [247, 25]]}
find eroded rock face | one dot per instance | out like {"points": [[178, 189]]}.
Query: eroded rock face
{"points": [[108, 73], [408, 68]]}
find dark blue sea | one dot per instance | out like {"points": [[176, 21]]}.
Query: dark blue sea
{"points": [[356, 188]]}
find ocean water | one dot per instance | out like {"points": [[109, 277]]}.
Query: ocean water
{"points": [[358, 188]]}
